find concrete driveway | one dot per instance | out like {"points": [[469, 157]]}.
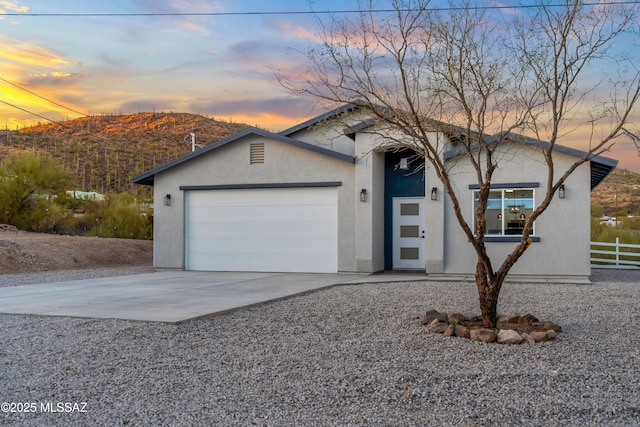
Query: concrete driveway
{"points": [[170, 296]]}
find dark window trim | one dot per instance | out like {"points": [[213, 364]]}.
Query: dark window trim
{"points": [[507, 186], [505, 239], [256, 186]]}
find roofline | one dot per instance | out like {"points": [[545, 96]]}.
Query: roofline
{"points": [[606, 161], [544, 144], [315, 120], [600, 166], [146, 178]]}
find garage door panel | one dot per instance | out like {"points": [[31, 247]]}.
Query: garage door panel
{"points": [[259, 213], [260, 197], [269, 262], [273, 229], [264, 246], [262, 230]]}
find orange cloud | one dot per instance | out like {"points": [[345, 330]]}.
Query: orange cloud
{"points": [[30, 55], [266, 120], [9, 5]]}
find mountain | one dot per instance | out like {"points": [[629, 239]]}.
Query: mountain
{"points": [[620, 191], [104, 152]]}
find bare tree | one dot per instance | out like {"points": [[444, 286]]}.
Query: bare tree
{"points": [[480, 76]]}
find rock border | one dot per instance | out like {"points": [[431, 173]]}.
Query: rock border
{"points": [[511, 328]]}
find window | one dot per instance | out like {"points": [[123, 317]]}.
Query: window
{"points": [[507, 210]]}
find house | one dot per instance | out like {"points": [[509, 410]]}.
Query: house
{"points": [[85, 195], [319, 197]]}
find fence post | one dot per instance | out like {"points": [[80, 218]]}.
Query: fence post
{"points": [[617, 251]]}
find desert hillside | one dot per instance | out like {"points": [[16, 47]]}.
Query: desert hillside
{"points": [[104, 152], [620, 190]]}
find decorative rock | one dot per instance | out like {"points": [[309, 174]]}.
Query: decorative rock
{"points": [[438, 326], [527, 338], [548, 326], [508, 336], [462, 331], [431, 315], [539, 336], [483, 335], [450, 330], [527, 319], [507, 318], [512, 328]]}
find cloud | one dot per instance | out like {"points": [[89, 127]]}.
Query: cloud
{"points": [[283, 106], [12, 6], [55, 79], [257, 58], [189, 23], [251, 51], [290, 29], [28, 54]]}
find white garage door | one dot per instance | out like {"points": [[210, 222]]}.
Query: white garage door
{"points": [[274, 230]]}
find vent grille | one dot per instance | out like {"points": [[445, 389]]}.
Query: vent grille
{"points": [[257, 153]]}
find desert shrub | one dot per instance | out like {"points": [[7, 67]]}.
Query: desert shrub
{"points": [[30, 184], [118, 216], [627, 231]]}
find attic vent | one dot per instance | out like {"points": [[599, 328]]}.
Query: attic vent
{"points": [[257, 153]]}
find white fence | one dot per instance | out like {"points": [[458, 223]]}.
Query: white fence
{"points": [[614, 255]]}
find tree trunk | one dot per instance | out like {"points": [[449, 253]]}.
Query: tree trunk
{"points": [[488, 293]]}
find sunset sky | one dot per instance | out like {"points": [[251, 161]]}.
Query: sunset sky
{"points": [[221, 66]]}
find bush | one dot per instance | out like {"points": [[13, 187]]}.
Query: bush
{"points": [[628, 231], [119, 216], [30, 183]]}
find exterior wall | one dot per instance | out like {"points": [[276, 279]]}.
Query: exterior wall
{"points": [[435, 223], [229, 164], [564, 247], [330, 134], [562, 252], [369, 214]]}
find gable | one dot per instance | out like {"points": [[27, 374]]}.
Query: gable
{"points": [[600, 166], [147, 178]]}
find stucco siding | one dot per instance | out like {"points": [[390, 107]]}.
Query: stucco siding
{"points": [[563, 229], [341, 150], [229, 165], [331, 134]]}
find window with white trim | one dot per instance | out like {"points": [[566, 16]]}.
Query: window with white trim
{"points": [[507, 210]]}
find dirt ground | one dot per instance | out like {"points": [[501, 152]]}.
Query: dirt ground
{"points": [[24, 252]]}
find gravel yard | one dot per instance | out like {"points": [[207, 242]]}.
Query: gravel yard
{"points": [[346, 356]]}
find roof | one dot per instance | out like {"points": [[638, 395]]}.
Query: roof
{"points": [[315, 120], [600, 166], [147, 178]]}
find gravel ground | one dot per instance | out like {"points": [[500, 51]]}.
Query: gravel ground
{"points": [[345, 356], [64, 275]]}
